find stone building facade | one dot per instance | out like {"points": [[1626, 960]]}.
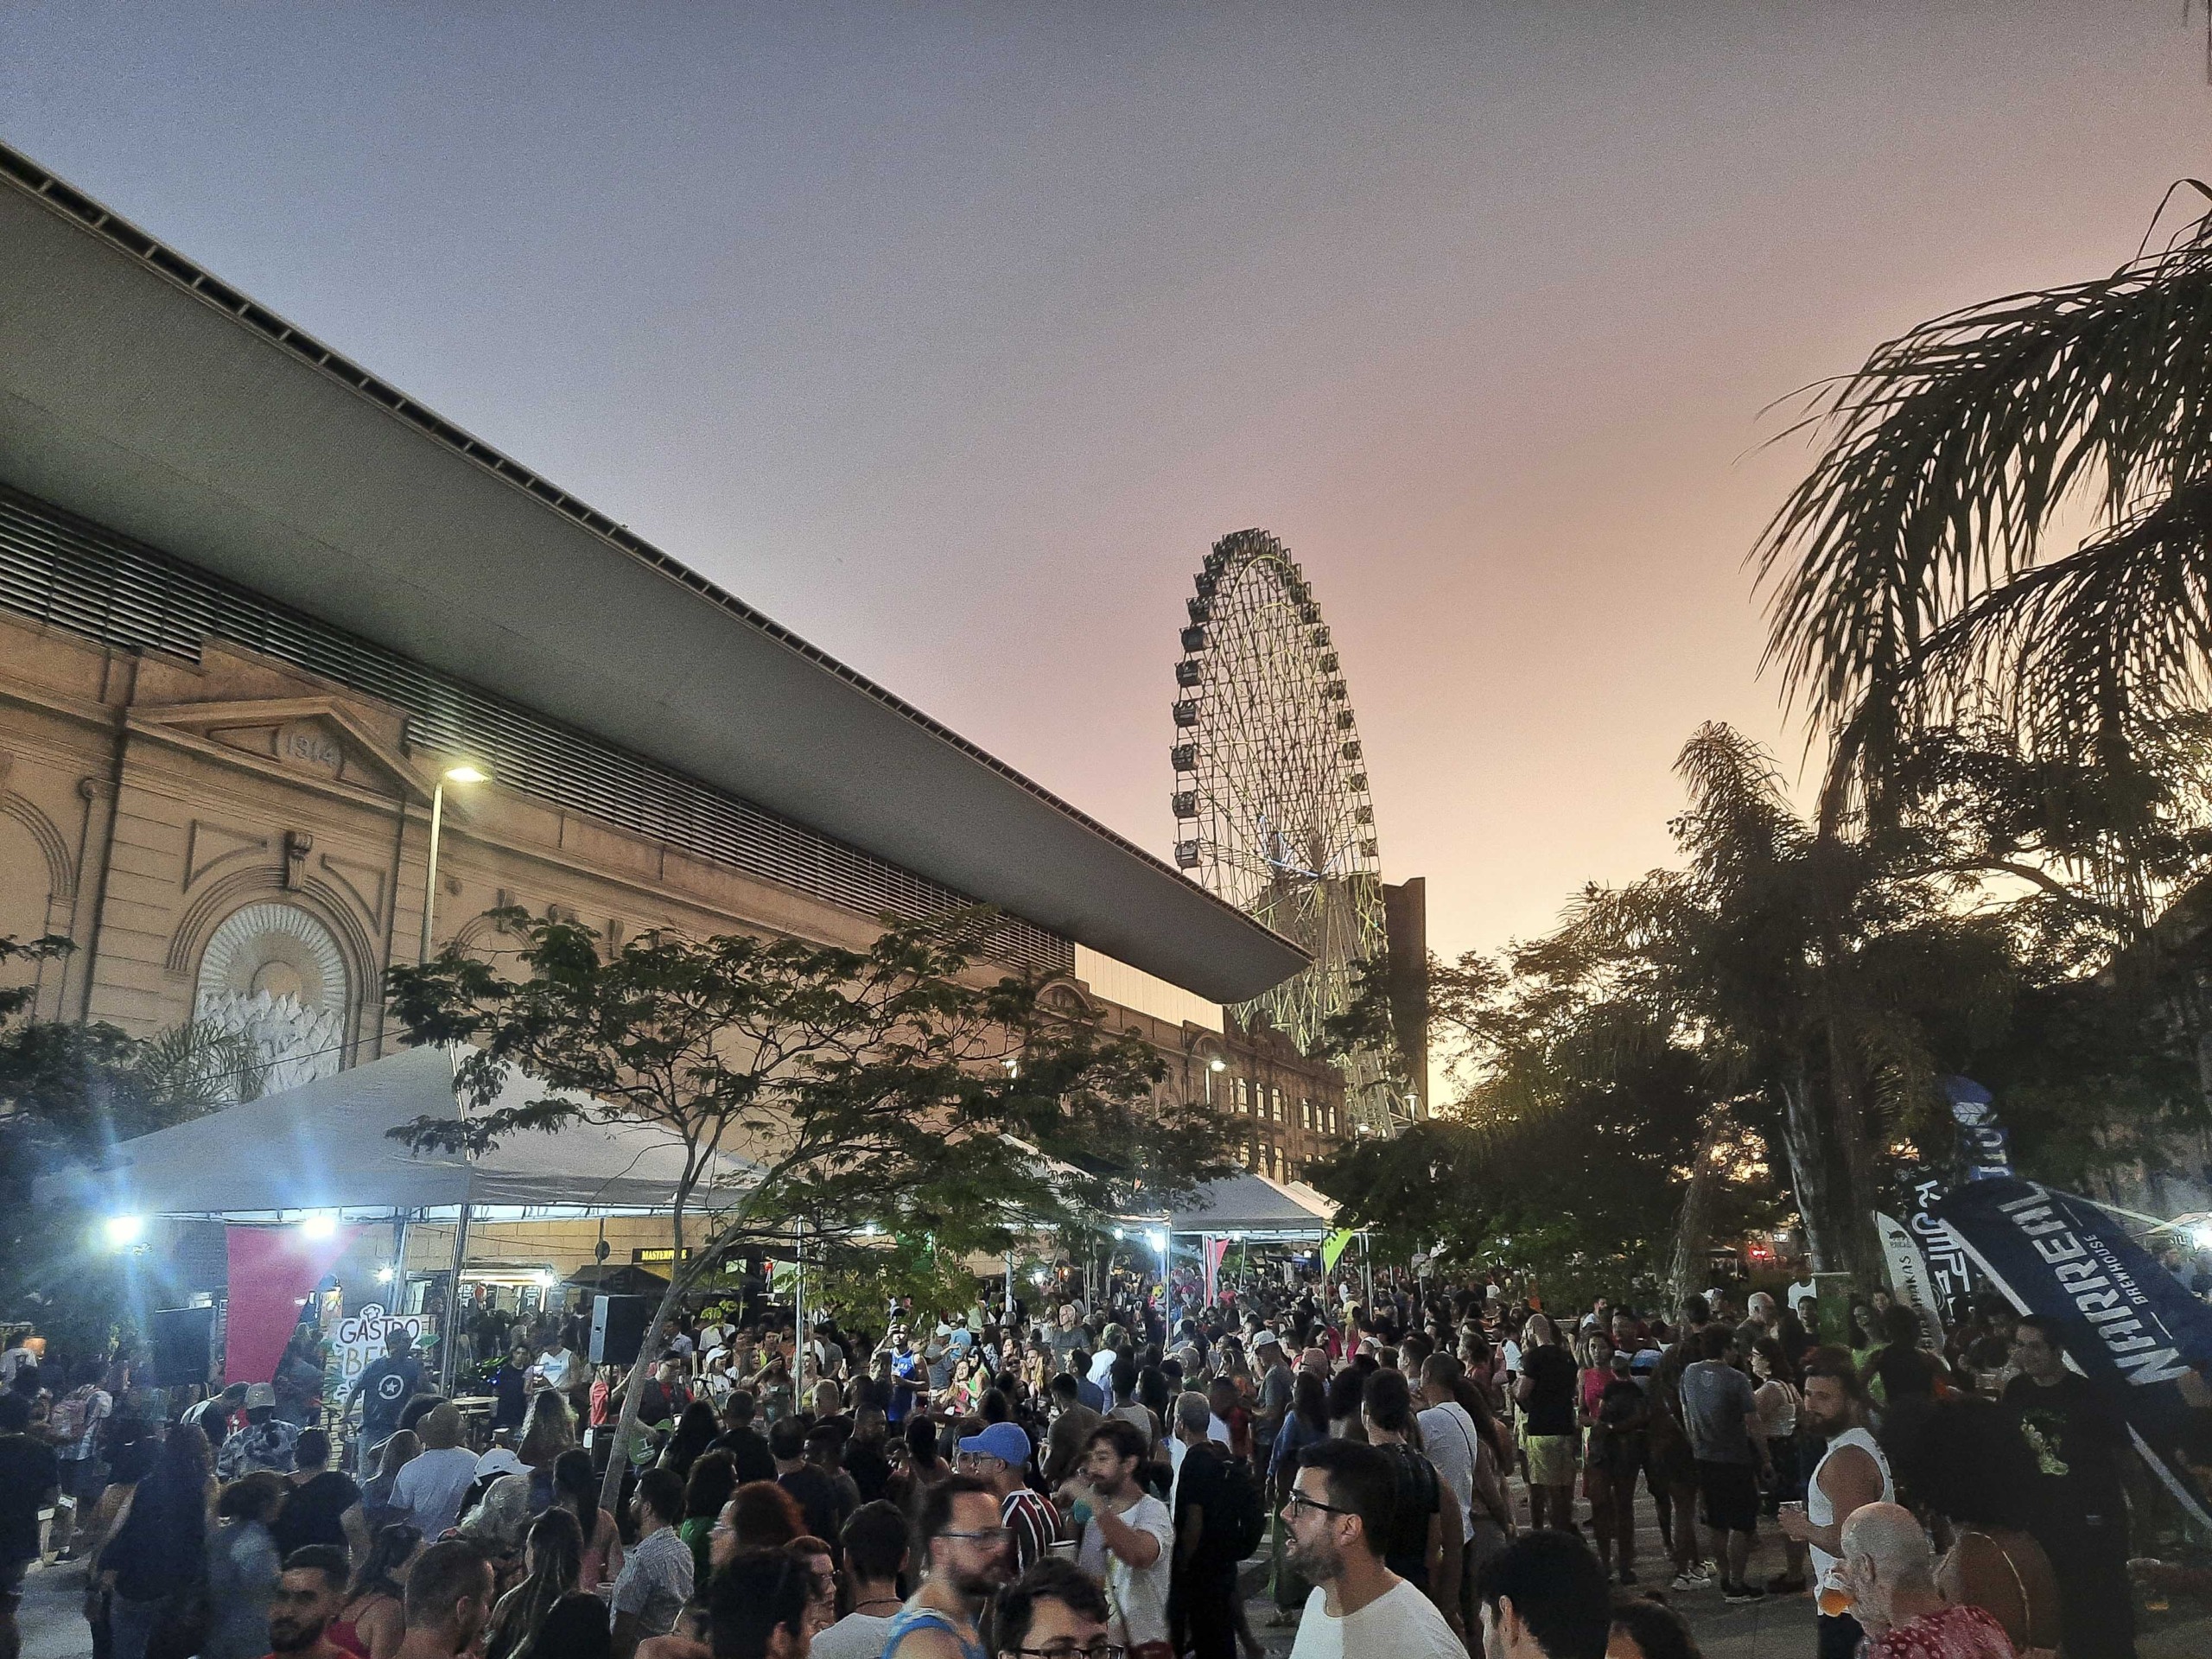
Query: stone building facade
{"points": [[227, 836]]}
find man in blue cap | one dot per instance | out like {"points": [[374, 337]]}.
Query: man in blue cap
{"points": [[999, 1457]]}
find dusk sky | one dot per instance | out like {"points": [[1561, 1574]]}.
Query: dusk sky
{"points": [[952, 337]]}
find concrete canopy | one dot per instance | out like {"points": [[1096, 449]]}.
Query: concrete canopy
{"points": [[138, 391]]}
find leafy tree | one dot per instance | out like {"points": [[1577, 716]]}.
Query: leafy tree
{"points": [[892, 1088], [69, 1091]]}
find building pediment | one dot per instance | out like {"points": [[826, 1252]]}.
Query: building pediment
{"points": [[318, 737]]}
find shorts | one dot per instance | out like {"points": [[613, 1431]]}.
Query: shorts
{"points": [[81, 1478], [1731, 1492], [1551, 1458]]}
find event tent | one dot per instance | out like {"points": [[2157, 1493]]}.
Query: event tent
{"points": [[1257, 1207], [324, 1145]]}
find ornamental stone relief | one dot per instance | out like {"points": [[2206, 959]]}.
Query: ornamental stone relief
{"points": [[274, 974]]}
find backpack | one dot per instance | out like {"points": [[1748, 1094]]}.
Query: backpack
{"points": [[1244, 1519]]}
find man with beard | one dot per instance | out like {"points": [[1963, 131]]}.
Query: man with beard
{"points": [[449, 1594], [1128, 1537], [1853, 1473], [964, 1553], [311, 1593], [1338, 1520]]}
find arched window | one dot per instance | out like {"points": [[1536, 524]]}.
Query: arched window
{"points": [[275, 973]]}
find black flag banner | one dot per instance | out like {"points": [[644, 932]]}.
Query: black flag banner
{"points": [[2128, 1324]]}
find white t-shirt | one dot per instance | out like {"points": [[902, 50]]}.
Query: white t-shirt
{"points": [[1400, 1623], [1137, 1595], [431, 1484], [857, 1635], [1447, 1439], [559, 1370]]}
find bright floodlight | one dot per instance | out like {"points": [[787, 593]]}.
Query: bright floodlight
{"points": [[1157, 1241], [547, 1278], [1219, 1065], [124, 1231], [466, 775], [383, 1275], [319, 1225], [1117, 1232], [2204, 1236]]}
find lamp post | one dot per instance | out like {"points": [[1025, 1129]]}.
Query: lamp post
{"points": [[461, 774]]}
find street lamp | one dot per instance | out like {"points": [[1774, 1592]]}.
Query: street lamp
{"points": [[460, 774]]}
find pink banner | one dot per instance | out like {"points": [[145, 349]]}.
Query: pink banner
{"points": [[1216, 1248], [273, 1271]]}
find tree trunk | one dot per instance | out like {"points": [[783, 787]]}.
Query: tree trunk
{"points": [[1810, 1177], [681, 1273], [1694, 1235]]}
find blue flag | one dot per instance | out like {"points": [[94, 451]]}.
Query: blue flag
{"points": [[2129, 1326]]}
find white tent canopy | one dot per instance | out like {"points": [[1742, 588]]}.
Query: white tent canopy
{"points": [[324, 1146], [1257, 1207]]}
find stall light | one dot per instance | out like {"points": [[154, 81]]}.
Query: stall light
{"points": [[2203, 1236], [1039, 1276], [320, 1225], [124, 1231], [1117, 1232], [1218, 1064], [1157, 1241], [547, 1279], [871, 1232], [383, 1275]]}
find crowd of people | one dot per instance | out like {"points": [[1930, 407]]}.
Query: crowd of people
{"points": [[1413, 1477]]}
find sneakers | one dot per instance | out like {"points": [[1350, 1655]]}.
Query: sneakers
{"points": [[1739, 1593], [1693, 1581], [1783, 1585]]}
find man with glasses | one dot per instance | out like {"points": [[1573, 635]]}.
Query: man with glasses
{"points": [[1338, 1519], [999, 1456], [1051, 1611], [963, 1548]]}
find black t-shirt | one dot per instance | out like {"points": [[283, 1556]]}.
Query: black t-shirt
{"points": [[2077, 1431], [866, 1462], [819, 1501], [28, 1474], [1204, 1481], [746, 1445], [313, 1512], [1419, 1495], [1552, 1375], [575, 1629]]}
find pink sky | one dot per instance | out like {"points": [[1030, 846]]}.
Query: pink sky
{"points": [[951, 337]]}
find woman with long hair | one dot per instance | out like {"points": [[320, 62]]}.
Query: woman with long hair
{"points": [[242, 1567], [547, 1616], [694, 1432], [374, 1618], [401, 1449], [1968, 1466], [155, 1564], [714, 1478], [548, 1430], [576, 1489]]}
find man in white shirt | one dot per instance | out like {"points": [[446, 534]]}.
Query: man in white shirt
{"points": [[1128, 1536], [431, 1484], [875, 1554], [1338, 1519], [557, 1368], [1543, 1596]]}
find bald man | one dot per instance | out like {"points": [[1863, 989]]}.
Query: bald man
{"points": [[1889, 1567]]}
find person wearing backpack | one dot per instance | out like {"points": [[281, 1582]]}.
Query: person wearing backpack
{"points": [[1218, 1521]]}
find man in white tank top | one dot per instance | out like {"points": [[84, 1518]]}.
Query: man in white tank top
{"points": [[1852, 1474]]}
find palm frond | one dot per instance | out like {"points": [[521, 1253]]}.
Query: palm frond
{"points": [[1952, 452]]}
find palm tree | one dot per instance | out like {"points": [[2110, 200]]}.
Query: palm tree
{"points": [[1811, 969], [1919, 575]]}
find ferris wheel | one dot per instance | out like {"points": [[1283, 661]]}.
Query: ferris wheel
{"points": [[1271, 800]]}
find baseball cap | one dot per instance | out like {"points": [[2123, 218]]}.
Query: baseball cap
{"points": [[499, 1460], [1004, 1441], [260, 1394]]}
